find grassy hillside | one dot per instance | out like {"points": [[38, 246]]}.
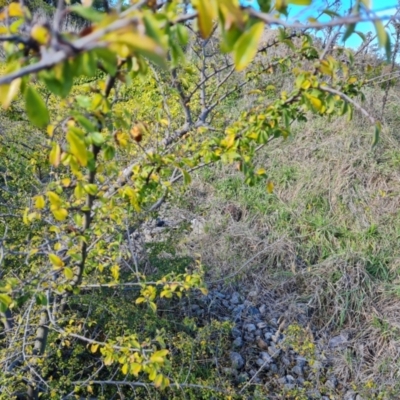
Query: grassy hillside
{"points": [[325, 242]]}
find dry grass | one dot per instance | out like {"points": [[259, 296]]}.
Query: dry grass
{"points": [[325, 242]]}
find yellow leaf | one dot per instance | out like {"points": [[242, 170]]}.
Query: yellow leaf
{"points": [[139, 300], [124, 369], [207, 12], [8, 92], [316, 102], [135, 368], [158, 381], [77, 148], [56, 261], [39, 202], [54, 199], [270, 187], [90, 189], [79, 191], [153, 306], [261, 171], [60, 214], [159, 353], [50, 130], [69, 274], [66, 182], [41, 34], [94, 347], [204, 291], [246, 46], [15, 10], [55, 155]]}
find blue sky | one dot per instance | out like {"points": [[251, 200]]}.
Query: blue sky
{"points": [[384, 8]]}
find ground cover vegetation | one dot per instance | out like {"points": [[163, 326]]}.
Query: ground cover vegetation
{"points": [[114, 113]]}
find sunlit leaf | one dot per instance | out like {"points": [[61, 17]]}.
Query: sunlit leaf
{"points": [[77, 147], [245, 48], [60, 214], [207, 13], [55, 155], [56, 261], [8, 92], [39, 202], [69, 274]]}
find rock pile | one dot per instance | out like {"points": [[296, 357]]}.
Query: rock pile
{"points": [[260, 353]]}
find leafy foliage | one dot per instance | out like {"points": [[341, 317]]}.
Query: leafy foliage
{"points": [[124, 109]]}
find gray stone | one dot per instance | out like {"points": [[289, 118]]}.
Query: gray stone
{"points": [[262, 309], [258, 332], [226, 303], [331, 383], [300, 381], [358, 397], [289, 386], [274, 352], [252, 372], [290, 379], [314, 394], [261, 363], [235, 332], [273, 322], [237, 361], [250, 328], [297, 370], [350, 395], [253, 311], [266, 357], [261, 325], [301, 361], [235, 298], [273, 368], [253, 294], [285, 360], [237, 343], [282, 380], [219, 295], [249, 337], [337, 341], [268, 336]]}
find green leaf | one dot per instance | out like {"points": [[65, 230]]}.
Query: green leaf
{"points": [[299, 2], [41, 299], [381, 33], [377, 132], [331, 13], [5, 299], [88, 13], [349, 31], [109, 153], [182, 34], [36, 108], [265, 5], [77, 148], [245, 48], [108, 60]]}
